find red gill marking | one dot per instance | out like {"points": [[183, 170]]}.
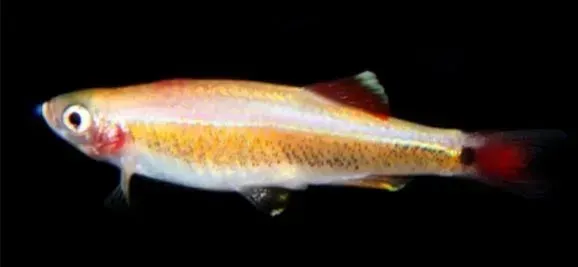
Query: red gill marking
{"points": [[110, 140]]}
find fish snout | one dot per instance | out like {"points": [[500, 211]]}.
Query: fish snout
{"points": [[44, 110]]}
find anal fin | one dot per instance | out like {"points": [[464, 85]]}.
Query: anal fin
{"points": [[270, 200], [389, 183]]}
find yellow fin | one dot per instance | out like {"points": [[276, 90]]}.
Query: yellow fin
{"points": [[389, 183], [272, 201]]}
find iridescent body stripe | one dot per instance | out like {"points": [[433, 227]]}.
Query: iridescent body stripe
{"points": [[224, 135]]}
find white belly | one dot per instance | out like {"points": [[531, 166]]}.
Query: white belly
{"points": [[177, 172]]}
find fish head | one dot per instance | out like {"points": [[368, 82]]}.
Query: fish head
{"points": [[82, 122]]}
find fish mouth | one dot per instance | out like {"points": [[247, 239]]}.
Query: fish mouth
{"points": [[45, 112], [42, 110]]}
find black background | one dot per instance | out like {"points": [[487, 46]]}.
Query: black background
{"points": [[504, 71]]}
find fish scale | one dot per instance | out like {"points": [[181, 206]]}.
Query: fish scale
{"points": [[239, 149], [262, 139]]}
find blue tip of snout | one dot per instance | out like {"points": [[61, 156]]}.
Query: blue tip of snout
{"points": [[38, 110]]}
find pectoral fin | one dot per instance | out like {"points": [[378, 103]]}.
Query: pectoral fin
{"points": [[272, 201], [120, 196], [116, 199], [389, 183]]}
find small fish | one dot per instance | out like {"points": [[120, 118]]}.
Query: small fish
{"points": [[264, 140]]}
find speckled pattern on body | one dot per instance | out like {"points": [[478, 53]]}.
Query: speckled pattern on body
{"points": [[225, 134], [262, 139], [241, 149]]}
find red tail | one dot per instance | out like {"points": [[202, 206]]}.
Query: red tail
{"points": [[510, 159]]}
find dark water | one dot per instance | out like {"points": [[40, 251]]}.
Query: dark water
{"points": [[506, 77]]}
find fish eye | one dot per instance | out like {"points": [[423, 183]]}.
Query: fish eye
{"points": [[76, 118]]}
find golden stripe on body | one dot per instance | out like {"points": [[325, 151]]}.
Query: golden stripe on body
{"points": [[209, 146]]}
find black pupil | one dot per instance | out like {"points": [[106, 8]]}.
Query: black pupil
{"points": [[74, 119]]}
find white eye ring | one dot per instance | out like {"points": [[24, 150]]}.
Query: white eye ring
{"points": [[77, 118]]}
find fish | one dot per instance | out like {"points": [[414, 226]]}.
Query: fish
{"points": [[264, 140]]}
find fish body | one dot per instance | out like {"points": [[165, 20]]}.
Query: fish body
{"points": [[262, 139]]}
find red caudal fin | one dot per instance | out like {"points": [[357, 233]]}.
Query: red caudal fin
{"points": [[513, 160]]}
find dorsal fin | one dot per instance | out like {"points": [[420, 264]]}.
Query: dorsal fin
{"points": [[362, 91]]}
